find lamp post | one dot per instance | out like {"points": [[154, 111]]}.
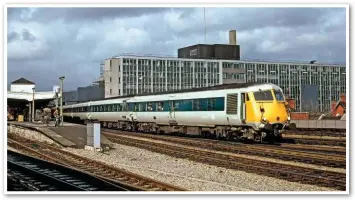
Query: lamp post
{"points": [[61, 99], [33, 104]]}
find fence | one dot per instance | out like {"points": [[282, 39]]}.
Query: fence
{"points": [[334, 124]]}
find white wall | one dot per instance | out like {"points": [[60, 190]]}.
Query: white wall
{"points": [[111, 71], [22, 88]]}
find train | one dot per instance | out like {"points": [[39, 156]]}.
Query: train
{"points": [[239, 111]]}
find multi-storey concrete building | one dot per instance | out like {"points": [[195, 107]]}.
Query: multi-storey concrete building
{"points": [[128, 74]]}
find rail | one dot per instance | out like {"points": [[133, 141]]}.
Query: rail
{"points": [[99, 169], [288, 172], [39, 175]]}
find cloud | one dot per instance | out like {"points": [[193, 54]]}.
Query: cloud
{"points": [[45, 43], [11, 36]]}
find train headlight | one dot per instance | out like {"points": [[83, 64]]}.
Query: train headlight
{"points": [[264, 120], [288, 118]]}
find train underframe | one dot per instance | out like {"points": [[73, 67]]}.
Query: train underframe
{"points": [[269, 133]]}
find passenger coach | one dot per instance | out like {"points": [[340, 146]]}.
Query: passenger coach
{"points": [[253, 111]]}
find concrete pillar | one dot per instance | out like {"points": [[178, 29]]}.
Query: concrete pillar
{"points": [[93, 136], [29, 111]]}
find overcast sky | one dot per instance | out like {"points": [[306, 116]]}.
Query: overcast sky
{"points": [[45, 43]]}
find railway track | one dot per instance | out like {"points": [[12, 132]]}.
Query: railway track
{"points": [[316, 137], [53, 154], [317, 132], [318, 157], [271, 169], [314, 140], [26, 173]]}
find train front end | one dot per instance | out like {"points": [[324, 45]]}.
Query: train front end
{"points": [[270, 114]]}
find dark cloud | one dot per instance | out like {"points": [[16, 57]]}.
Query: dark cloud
{"points": [[83, 14], [27, 35], [12, 36], [46, 43]]}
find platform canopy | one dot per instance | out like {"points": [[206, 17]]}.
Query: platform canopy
{"points": [[29, 96]]}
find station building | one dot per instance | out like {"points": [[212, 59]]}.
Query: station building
{"points": [[312, 85], [22, 96]]}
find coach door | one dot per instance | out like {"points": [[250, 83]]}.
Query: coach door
{"points": [[242, 107], [172, 108]]}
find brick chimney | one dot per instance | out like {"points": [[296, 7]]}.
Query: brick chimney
{"points": [[291, 102], [342, 97]]}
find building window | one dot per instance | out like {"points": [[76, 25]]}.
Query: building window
{"points": [[119, 79], [110, 79], [119, 68], [110, 91], [119, 91]]}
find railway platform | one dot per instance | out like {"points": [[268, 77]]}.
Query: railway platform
{"points": [[68, 135]]}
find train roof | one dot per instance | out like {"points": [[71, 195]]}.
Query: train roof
{"points": [[200, 89]]}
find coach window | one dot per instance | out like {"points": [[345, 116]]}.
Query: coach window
{"points": [[160, 106], [196, 106], [125, 106], [154, 107], [149, 106]]}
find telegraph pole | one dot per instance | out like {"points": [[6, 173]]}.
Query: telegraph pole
{"points": [[61, 99], [33, 105]]}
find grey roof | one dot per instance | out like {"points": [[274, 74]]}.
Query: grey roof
{"points": [[23, 81]]}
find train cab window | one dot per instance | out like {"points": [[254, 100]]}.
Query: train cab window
{"points": [[263, 96], [278, 95], [247, 96]]}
